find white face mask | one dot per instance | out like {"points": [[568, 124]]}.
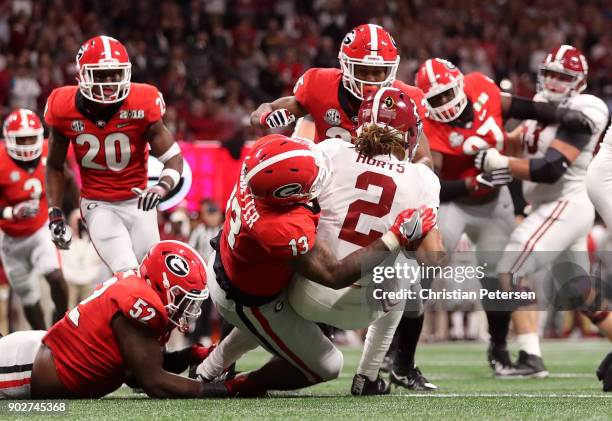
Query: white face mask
{"points": [[105, 92]]}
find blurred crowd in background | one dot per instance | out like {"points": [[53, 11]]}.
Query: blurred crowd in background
{"points": [[215, 60]]}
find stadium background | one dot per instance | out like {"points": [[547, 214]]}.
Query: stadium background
{"points": [[215, 60]]}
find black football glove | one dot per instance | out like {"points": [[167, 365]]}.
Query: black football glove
{"points": [[61, 234], [495, 178], [150, 197]]}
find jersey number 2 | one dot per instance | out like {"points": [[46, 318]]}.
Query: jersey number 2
{"points": [[358, 207], [116, 151]]}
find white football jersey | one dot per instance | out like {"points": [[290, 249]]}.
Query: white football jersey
{"points": [[536, 139], [365, 195]]}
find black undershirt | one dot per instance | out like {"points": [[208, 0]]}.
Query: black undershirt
{"points": [[96, 113]]}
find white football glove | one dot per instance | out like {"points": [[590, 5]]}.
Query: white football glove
{"points": [[25, 210], [278, 118], [490, 159], [150, 197]]}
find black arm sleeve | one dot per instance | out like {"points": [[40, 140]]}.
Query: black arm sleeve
{"points": [[579, 137], [527, 109], [516, 191], [452, 189], [549, 168]]}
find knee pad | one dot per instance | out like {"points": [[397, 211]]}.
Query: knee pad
{"points": [[331, 365]]}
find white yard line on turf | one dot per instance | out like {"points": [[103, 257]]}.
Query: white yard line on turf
{"points": [[498, 395]]}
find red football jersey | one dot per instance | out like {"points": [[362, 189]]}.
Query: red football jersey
{"points": [[321, 93], [19, 185], [460, 144], [112, 156], [258, 242], [83, 344]]}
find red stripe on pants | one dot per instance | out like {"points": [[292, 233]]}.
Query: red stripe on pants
{"points": [[268, 329]]}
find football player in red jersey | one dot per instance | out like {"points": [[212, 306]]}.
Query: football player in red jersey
{"points": [[369, 60], [268, 236], [111, 124], [466, 114], [116, 335], [26, 247]]}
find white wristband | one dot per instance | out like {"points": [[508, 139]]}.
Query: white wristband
{"points": [[172, 174], [390, 241], [7, 212], [170, 153]]}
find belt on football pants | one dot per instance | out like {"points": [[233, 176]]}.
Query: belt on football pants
{"points": [[232, 292]]}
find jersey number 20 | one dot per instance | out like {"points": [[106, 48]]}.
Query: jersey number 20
{"points": [[115, 150]]}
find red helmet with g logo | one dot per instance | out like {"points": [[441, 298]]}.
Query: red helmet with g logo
{"points": [[367, 45], [20, 124], [282, 170], [390, 107], [563, 73], [442, 83], [178, 274], [104, 70]]}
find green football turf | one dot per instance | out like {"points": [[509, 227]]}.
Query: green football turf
{"points": [[467, 392]]}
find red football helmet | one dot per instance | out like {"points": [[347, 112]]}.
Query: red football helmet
{"points": [[442, 83], [21, 124], [284, 171], [367, 45], [177, 273], [563, 73], [104, 70], [390, 107]]}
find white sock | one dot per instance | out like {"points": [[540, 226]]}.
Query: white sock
{"points": [[530, 343], [229, 350], [377, 342]]}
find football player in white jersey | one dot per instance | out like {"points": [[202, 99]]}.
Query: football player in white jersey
{"points": [[553, 168], [369, 179]]}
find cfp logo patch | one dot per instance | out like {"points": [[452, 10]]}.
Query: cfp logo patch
{"points": [[287, 190], [177, 265], [77, 126], [332, 117], [15, 176], [131, 114]]}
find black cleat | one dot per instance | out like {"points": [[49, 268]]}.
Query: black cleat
{"points": [[604, 373], [499, 359], [527, 366], [362, 386], [414, 380]]}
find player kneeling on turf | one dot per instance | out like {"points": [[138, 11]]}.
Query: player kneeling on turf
{"points": [[115, 336]]}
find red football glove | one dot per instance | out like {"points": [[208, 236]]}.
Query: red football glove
{"points": [[412, 224], [199, 353]]}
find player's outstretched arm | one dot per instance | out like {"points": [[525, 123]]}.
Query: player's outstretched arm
{"points": [[423, 153], [54, 170], [279, 113], [545, 112], [168, 152], [144, 360], [321, 266]]}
